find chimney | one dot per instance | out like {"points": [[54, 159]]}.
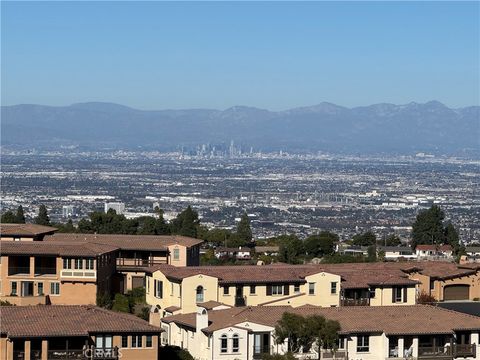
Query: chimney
{"points": [[202, 318]]}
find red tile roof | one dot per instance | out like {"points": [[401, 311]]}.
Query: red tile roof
{"points": [[25, 229], [392, 320], [129, 242], [71, 320], [54, 248], [434, 247]]}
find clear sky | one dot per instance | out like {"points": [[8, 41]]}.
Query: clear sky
{"points": [[274, 55]]}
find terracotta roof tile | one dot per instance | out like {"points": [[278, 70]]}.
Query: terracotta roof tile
{"points": [[54, 248], [71, 320], [129, 242], [393, 320], [25, 229]]}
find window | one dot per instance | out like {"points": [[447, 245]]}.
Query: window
{"points": [[89, 264], [363, 343], [124, 341], [54, 288], [372, 293], [14, 288], [158, 289], [148, 341], [40, 288], [147, 284], [226, 290], [223, 343], [67, 264], [333, 287], [79, 263], [16, 239], [199, 294], [296, 288], [235, 343], [341, 342], [176, 254], [277, 290], [311, 288], [253, 289], [432, 285], [397, 294], [136, 341]]}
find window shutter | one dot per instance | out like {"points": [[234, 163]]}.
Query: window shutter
{"points": [[393, 294], [160, 289], [269, 290], [286, 289], [155, 288], [405, 291]]}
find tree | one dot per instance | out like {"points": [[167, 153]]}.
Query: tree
{"points": [[322, 331], [428, 227], [372, 253], [425, 298], [366, 239], [290, 250], [68, 227], [186, 223], [20, 216], [291, 327], [42, 218], [320, 245], [451, 237], [8, 217], [393, 240], [244, 231], [121, 303]]}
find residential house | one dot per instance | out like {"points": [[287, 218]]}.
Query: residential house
{"points": [[74, 332], [240, 253], [24, 232], [367, 333], [395, 253], [38, 272], [179, 290], [434, 252], [137, 252]]}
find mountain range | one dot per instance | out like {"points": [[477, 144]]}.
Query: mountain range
{"points": [[379, 128]]}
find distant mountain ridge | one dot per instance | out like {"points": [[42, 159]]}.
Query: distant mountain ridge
{"points": [[378, 128]]}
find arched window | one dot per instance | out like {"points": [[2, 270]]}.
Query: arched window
{"points": [[235, 343], [199, 294], [223, 343]]}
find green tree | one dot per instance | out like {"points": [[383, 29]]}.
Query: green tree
{"points": [[121, 303], [393, 240], [290, 249], [291, 327], [428, 227], [452, 238], [68, 227], [321, 244], [366, 239], [8, 217], [372, 253], [42, 218], [244, 231], [186, 223], [20, 216], [146, 225]]}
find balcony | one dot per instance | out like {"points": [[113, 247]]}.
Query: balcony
{"points": [[45, 271], [19, 271], [464, 350], [136, 263], [355, 302], [435, 352], [26, 300], [240, 301]]}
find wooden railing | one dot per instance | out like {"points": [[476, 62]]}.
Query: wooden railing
{"points": [[135, 262], [464, 350], [355, 302]]}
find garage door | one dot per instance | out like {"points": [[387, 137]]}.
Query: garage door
{"points": [[456, 292]]}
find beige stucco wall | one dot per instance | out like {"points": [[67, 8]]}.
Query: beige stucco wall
{"points": [[143, 353], [383, 297], [182, 260]]}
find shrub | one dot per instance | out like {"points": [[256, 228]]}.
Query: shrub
{"points": [[424, 298]]}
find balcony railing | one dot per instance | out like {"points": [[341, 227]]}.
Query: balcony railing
{"points": [[134, 262], [355, 302], [18, 355], [438, 352], [464, 350]]}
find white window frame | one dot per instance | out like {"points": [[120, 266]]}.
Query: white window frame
{"points": [[176, 254], [277, 289], [199, 297], [311, 288], [224, 341], [333, 288], [78, 263], [55, 288], [235, 349], [363, 343], [89, 264]]}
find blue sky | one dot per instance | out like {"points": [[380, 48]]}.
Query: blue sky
{"points": [[274, 55]]}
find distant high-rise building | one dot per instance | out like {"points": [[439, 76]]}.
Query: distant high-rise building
{"points": [[68, 211], [119, 207]]}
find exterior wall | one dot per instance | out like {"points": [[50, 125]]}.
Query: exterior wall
{"points": [[74, 290], [383, 297], [424, 285], [182, 259], [376, 351], [473, 281], [130, 353]]}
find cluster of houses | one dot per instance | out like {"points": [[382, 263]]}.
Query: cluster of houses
{"points": [[218, 312]]}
